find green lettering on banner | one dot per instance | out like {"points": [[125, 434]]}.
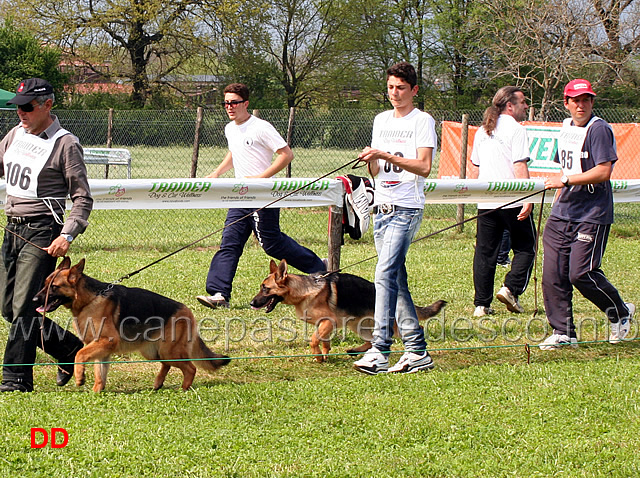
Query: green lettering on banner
{"points": [[619, 184], [429, 187], [205, 187], [162, 187], [171, 187]]}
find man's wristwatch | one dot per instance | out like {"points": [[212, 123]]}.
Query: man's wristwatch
{"points": [[565, 180], [67, 237]]}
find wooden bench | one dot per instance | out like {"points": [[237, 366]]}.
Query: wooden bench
{"points": [[108, 157]]}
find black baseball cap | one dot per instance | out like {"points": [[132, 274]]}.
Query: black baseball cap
{"points": [[30, 89]]}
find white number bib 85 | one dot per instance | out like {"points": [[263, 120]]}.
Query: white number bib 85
{"points": [[570, 143]]}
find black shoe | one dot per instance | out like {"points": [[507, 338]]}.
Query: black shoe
{"points": [[16, 387], [65, 372]]}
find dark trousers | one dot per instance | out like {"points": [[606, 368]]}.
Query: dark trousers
{"points": [[505, 248], [22, 274], [265, 224], [490, 229], [572, 258]]}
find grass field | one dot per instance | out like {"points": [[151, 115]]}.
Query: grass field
{"points": [[488, 408]]}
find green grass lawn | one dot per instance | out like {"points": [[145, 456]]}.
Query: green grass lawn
{"points": [[488, 408]]}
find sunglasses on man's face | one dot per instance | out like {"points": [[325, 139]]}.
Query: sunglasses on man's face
{"points": [[28, 108], [232, 103]]}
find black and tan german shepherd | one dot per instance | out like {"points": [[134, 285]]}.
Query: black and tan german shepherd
{"points": [[333, 302], [114, 319]]}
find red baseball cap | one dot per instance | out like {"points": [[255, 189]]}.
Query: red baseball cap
{"points": [[578, 87]]}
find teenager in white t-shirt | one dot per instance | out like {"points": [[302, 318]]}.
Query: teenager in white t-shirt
{"points": [[400, 155], [252, 145]]}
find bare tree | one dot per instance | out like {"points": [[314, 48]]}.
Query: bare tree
{"points": [[617, 38], [537, 43]]}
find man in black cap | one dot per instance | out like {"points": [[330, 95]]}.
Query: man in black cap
{"points": [[43, 164]]}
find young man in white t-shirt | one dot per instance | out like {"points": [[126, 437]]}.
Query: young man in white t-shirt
{"points": [[252, 144], [501, 151], [401, 151]]}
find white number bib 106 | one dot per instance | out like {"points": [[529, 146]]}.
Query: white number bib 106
{"points": [[24, 160]]}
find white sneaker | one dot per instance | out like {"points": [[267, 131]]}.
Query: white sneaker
{"points": [[373, 362], [505, 296], [555, 341], [214, 301], [412, 362], [481, 311], [620, 329]]}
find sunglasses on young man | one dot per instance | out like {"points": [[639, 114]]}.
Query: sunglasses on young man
{"points": [[231, 103]]}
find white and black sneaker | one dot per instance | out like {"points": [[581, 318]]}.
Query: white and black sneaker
{"points": [[215, 301], [373, 362], [481, 311], [413, 362], [620, 329], [555, 341], [505, 296]]}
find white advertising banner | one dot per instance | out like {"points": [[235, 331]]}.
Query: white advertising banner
{"points": [[457, 191], [205, 193]]}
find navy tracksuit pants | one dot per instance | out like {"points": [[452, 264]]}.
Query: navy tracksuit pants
{"points": [[572, 258], [265, 224]]}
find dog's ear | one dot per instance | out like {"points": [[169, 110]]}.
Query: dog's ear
{"points": [[76, 272], [272, 266], [65, 264], [281, 273]]}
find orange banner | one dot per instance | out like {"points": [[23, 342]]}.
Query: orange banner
{"points": [[542, 147]]}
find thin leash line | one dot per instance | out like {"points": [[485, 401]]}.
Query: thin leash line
{"points": [[25, 240], [128, 276], [44, 315], [433, 233], [338, 354], [535, 264]]}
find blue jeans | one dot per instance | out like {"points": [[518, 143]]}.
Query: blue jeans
{"points": [[393, 234]]}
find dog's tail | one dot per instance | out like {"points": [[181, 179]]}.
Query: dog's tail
{"points": [[199, 350], [430, 310]]}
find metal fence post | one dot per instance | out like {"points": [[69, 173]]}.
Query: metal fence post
{"points": [[109, 139], [463, 166], [196, 142]]}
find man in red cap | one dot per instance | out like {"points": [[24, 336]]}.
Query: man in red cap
{"points": [[576, 233]]}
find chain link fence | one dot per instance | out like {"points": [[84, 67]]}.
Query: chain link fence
{"points": [[163, 144]]}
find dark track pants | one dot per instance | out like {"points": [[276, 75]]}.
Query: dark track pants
{"points": [[265, 224], [22, 273], [572, 257], [490, 228]]}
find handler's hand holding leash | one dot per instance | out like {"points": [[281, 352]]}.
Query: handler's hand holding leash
{"points": [[59, 247]]}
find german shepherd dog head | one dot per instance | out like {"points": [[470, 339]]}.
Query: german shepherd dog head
{"points": [[59, 287], [273, 289], [116, 319]]}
